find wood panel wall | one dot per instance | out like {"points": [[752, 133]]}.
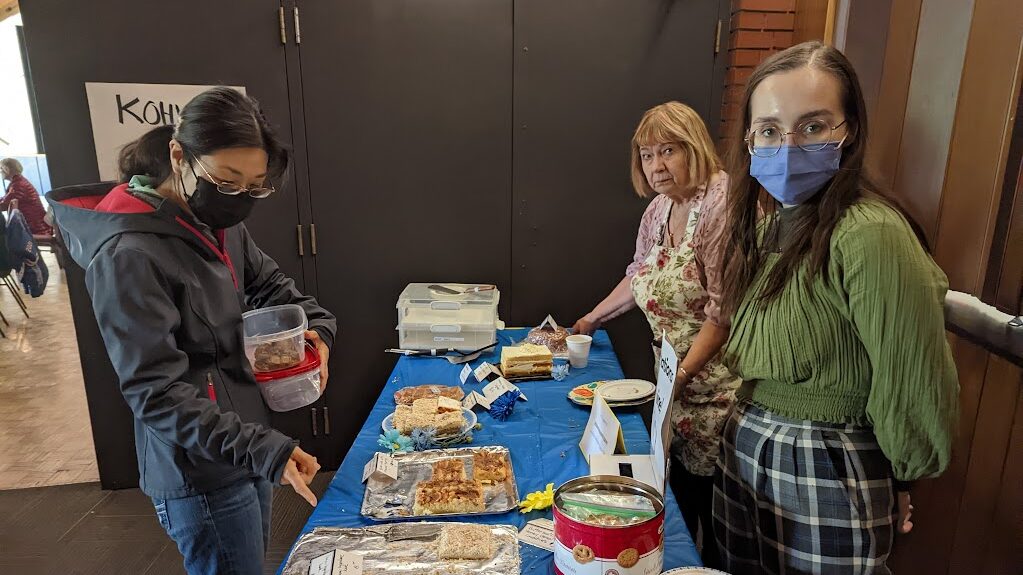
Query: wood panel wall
{"points": [[970, 520]]}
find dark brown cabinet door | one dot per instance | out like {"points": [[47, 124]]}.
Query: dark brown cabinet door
{"points": [[235, 42], [585, 71], [408, 120]]}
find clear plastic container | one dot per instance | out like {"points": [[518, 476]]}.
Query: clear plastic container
{"points": [[274, 337], [292, 388], [431, 317]]}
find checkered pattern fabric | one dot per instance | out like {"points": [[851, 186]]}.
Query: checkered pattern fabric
{"points": [[795, 497]]}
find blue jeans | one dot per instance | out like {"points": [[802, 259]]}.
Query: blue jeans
{"points": [[222, 532]]}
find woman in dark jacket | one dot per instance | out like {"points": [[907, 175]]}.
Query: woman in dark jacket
{"points": [[170, 268]]}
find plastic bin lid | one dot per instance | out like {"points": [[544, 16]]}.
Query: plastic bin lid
{"points": [[310, 362], [423, 294]]}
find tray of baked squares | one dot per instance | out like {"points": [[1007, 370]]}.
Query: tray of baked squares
{"points": [[444, 483], [408, 549]]}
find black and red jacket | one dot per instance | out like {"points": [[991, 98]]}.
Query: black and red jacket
{"points": [[168, 294]]}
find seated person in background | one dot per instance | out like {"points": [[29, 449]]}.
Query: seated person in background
{"points": [[26, 195]]}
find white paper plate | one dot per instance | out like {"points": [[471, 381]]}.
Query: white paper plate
{"points": [[470, 422], [624, 390]]}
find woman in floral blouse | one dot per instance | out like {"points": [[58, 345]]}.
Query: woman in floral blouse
{"points": [[675, 279]]}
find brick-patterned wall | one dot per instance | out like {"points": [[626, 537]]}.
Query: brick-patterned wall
{"points": [[758, 28]]}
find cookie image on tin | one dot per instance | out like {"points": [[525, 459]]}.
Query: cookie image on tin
{"points": [[582, 554], [628, 558]]}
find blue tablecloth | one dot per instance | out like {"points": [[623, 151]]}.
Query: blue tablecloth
{"points": [[543, 436]]}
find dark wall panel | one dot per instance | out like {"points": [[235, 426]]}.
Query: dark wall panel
{"points": [[585, 71], [408, 117], [189, 42]]}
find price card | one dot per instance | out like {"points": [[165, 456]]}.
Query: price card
{"points": [[382, 467], [603, 433], [473, 399], [538, 533], [499, 387], [336, 562], [486, 372], [464, 375], [549, 320]]}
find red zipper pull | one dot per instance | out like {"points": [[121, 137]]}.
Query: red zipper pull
{"points": [[210, 390]]}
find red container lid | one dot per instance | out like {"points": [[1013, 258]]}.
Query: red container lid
{"points": [[310, 362]]}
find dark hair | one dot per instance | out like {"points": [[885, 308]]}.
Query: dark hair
{"points": [[216, 119], [809, 228]]}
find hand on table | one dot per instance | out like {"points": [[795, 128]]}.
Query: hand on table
{"points": [[324, 352], [905, 520], [586, 326], [299, 473]]}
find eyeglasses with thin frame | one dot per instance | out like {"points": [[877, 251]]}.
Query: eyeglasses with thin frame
{"points": [[232, 189], [811, 135]]}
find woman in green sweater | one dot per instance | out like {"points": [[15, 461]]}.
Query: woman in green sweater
{"points": [[849, 389]]}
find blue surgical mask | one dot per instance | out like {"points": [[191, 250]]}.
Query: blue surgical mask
{"points": [[794, 175]]}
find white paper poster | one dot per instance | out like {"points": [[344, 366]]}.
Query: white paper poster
{"points": [[660, 422], [121, 113]]}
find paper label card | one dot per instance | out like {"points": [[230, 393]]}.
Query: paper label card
{"points": [[464, 375], [382, 467], [660, 422], [538, 533], [336, 562], [486, 372], [603, 433], [638, 467], [549, 321], [499, 387], [473, 399]]}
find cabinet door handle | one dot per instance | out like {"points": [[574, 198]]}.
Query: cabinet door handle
{"points": [[326, 421], [280, 21], [312, 238], [298, 27], [313, 410], [301, 241]]}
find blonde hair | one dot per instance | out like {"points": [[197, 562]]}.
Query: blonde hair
{"points": [[13, 166], [678, 123]]}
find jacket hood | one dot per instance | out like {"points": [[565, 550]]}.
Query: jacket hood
{"points": [[90, 215]]}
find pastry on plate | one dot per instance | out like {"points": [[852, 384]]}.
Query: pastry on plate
{"points": [[449, 422], [489, 467], [405, 420], [452, 469], [526, 360], [438, 497], [552, 339], [407, 395], [425, 406], [446, 404], [464, 541]]}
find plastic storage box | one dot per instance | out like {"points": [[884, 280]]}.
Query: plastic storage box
{"points": [[275, 337], [294, 387], [430, 318]]}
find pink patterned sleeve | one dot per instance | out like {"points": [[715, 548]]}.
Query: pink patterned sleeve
{"points": [[709, 247], [648, 228]]}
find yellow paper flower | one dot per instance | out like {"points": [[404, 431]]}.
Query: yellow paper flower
{"points": [[538, 500]]}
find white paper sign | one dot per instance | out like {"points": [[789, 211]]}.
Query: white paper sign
{"points": [[603, 433], [486, 372], [120, 113], [381, 466], [660, 422], [464, 375], [639, 467], [538, 533], [499, 387], [549, 320], [473, 399], [336, 562]]}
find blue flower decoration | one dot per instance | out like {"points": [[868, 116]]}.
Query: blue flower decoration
{"points": [[503, 406], [424, 438], [395, 441]]}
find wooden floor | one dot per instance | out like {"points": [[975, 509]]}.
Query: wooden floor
{"points": [[82, 529], [45, 435]]}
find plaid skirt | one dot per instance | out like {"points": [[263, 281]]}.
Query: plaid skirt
{"points": [[796, 496]]}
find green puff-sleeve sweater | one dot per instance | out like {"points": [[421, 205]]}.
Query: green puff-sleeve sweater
{"points": [[864, 345]]}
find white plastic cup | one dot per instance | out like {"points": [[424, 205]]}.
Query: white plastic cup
{"points": [[578, 350]]}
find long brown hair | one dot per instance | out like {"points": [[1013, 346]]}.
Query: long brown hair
{"points": [[809, 229]]}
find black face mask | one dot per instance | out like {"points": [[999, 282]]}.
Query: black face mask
{"points": [[216, 210]]}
